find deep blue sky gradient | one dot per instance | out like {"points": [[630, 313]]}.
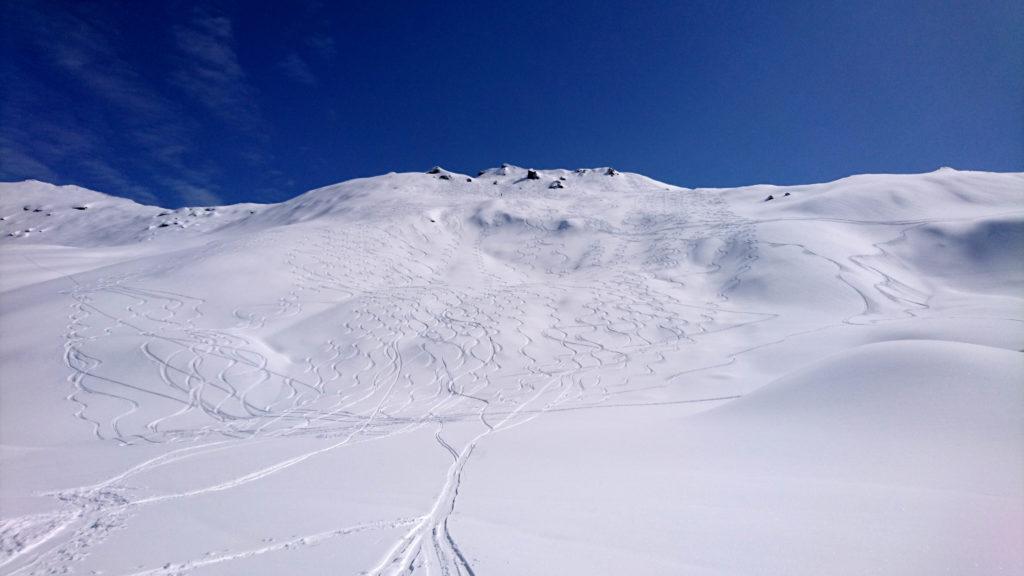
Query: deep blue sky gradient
{"points": [[201, 103]]}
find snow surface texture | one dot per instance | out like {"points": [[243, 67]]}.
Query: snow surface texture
{"points": [[498, 374]]}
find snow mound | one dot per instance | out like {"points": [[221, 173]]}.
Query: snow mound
{"points": [[884, 407], [890, 197], [890, 458], [69, 215], [41, 213]]}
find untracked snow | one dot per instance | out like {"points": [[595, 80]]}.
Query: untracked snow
{"points": [[518, 372]]}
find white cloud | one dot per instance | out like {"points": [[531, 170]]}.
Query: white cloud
{"points": [[48, 138], [209, 71], [297, 69]]}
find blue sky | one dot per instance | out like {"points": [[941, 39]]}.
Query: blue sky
{"points": [[184, 103]]}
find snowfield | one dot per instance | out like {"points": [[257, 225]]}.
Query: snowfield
{"points": [[585, 373]]}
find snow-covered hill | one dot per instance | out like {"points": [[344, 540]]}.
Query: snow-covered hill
{"points": [[517, 372]]}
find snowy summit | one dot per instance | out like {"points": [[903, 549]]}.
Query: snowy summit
{"points": [[517, 371]]}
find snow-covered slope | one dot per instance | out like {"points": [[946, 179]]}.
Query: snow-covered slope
{"points": [[517, 372]]}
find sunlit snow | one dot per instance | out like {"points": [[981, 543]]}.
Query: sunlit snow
{"points": [[589, 372]]}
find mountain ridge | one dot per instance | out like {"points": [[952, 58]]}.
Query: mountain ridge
{"points": [[28, 208], [496, 171]]}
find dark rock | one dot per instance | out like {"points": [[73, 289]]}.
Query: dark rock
{"points": [[469, 179], [770, 197], [435, 170], [611, 172], [445, 176], [556, 184], [561, 177], [786, 194], [80, 207], [531, 174]]}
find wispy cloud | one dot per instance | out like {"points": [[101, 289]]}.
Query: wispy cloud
{"points": [[316, 49], [199, 195], [104, 171], [61, 133], [15, 161], [78, 45], [296, 68], [322, 45], [208, 70]]}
